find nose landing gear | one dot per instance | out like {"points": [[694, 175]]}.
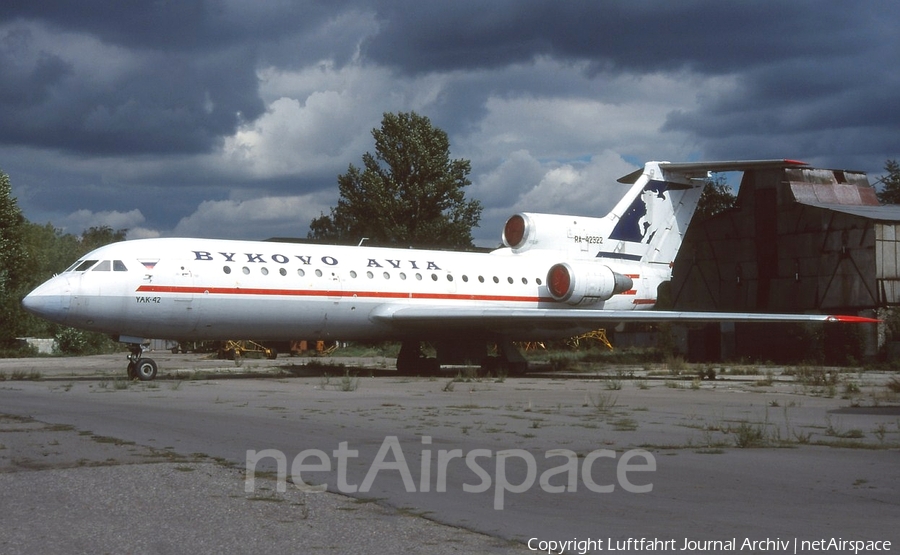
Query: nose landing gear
{"points": [[139, 367]]}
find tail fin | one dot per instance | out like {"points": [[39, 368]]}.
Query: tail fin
{"points": [[649, 223]]}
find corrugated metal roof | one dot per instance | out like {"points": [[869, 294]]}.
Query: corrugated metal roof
{"points": [[834, 193], [885, 213]]}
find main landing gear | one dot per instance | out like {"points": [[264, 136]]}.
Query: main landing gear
{"points": [[505, 360], [139, 367]]}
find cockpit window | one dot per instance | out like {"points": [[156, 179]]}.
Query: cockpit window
{"points": [[119, 266], [104, 266], [85, 266], [72, 267]]}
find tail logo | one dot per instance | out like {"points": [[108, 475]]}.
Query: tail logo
{"points": [[646, 215]]}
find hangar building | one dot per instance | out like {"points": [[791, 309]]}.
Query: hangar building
{"points": [[798, 240]]}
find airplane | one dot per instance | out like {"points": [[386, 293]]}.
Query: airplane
{"points": [[555, 276]]}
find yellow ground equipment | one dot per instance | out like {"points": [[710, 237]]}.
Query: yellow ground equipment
{"points": [[599, 335], [233, 349]]}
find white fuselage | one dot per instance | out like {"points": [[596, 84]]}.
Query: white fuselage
{"points": [[216, 289]]}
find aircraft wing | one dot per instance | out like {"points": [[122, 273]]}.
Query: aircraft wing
{"points": [[501, 319], [700, 169]]}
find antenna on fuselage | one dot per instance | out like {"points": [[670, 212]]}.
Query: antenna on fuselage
{"points": [[361, 241]]}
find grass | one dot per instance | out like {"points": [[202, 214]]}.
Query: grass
{"points": [[675, 364], [347, 382], [624, 424], [748, 435], [602, 401], [24, 375], [893, 384], [815, 376]]}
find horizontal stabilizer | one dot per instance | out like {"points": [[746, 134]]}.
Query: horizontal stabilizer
{"points": [[699, 169]]}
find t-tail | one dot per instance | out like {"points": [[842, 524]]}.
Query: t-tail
{"points": [[647, 225]]}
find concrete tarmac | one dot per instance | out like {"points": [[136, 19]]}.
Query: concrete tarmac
{"points": [[90, 462]]}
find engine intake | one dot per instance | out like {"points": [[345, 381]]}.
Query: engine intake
{"points": [[529, 230], [516, 230], [585, 282]]}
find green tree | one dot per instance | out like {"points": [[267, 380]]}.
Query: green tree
{"points": [[716, 197], [12, 256], [49, 251], [96, 237], [31, 254], [410, 193], [890, 192]]}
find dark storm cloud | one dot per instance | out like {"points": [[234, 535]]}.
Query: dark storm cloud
{"points": [[834, 108], [162, 105], [175, 25], [189, 80], [24, 86], [802, 69], [708, 36], [191, 77], [169, 104]]}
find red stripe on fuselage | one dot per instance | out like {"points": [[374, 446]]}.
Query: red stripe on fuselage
{"points": [[336, 293]]}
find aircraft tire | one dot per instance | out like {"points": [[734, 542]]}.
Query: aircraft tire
{"points": [[132, 371], [145, 369]]}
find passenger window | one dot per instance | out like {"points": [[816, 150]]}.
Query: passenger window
{"points": [[103, 266], [85, 266], [119, 266]]}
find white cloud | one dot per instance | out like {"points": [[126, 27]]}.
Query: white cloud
{"points": [[78, 221], [258, 218], [566, 127], [505, 183], [142, 233], [581, 188], [557, 150], [588, 189], [317, 119], [560, 152]]}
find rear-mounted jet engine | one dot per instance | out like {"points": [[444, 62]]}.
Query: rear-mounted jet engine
{"points": [[579, 283], [525, 231]]}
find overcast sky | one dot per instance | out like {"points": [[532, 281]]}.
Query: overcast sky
{"points": [[233, 118]]}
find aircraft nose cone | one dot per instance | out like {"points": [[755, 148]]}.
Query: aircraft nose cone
{"points": [[49, 300]]}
